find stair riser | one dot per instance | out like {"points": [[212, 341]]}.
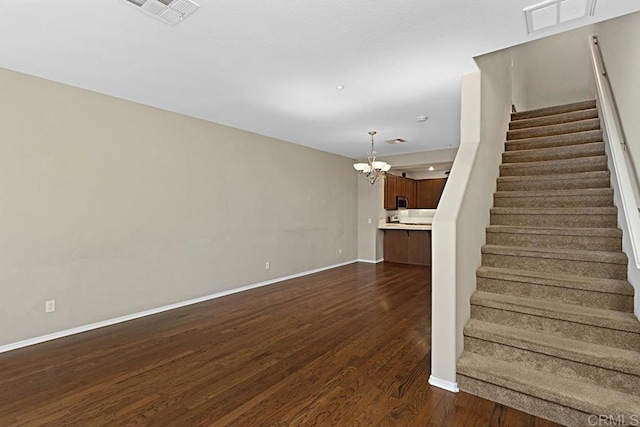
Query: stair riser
{"points": [[569, 221], [557, 293], [550, 111], [526, 169], [562, 328], [555, 141], [614, 380], [554, 201], [573, 127], [561, 184], [560, 266], [554, 119], [589, 243], [570, 152], [529, 404]]}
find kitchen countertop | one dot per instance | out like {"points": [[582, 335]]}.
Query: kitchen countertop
{"points": [[398, 226]]}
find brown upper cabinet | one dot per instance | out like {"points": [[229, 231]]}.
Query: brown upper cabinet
{"points": [[421, 194], [429, 192], [398, 186]]}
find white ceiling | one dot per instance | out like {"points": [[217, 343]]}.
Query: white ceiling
{"points": [[272, 67]]}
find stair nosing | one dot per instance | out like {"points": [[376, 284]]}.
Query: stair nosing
{"points": [[588, 316], [566, 113], [555, 211], [605, 286], [565, 391], [550, 163], [540, 139], [555, 177], [554, 193], [571, 147], [587, 353], [612, 232], [554, 126], [606, 257], [587, 104]]}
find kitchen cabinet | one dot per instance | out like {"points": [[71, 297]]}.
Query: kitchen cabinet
{"points": [[398, 186], [407, 246], [429, 192]]}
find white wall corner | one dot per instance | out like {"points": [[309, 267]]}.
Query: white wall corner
{"points": [[446, 385]]}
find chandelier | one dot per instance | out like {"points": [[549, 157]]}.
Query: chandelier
{"points": [[372, 170]]}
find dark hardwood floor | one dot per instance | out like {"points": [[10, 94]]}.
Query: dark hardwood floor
{"points": [[347, 347]]}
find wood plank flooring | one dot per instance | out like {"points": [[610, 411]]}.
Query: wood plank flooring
{"points": [[345, 347]]}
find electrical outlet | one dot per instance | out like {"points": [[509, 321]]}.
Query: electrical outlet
{"points": [[368, 220], [267, 265], [339, 251], [50, 306]]}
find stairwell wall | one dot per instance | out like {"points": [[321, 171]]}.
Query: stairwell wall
{"points": [[463, 212], [618, 39], [113, 208]]}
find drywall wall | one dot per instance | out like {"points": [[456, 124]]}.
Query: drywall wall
{"points": [[618, 40], [111, 207], [445, 243], [463, 214], [369, 214], [552, 71]]}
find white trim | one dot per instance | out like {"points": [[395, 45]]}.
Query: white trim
{"points": [[371, 261], [446, 385], [126, 318]]}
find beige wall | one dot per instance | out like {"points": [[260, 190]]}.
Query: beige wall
{"points": [[554, 70], [111, 207], [619, 40], [369, 209], [463, 212]]}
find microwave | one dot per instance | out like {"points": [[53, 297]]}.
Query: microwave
{"points": [[402, 203]]}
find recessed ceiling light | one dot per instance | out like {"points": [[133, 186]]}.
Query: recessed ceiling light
{"points": [[422, 118], [431, 168], [340, 87]]}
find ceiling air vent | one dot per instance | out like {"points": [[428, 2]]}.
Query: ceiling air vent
{"points": [[553, 12], [395, 141], [169, 11]]}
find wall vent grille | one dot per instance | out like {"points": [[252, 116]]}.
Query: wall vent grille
{"points": [[169, 11]]}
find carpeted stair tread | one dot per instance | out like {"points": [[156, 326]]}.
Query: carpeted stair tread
{"points": [[590, 197], [614, 286], [554, 119], [556, 211], [609, 319], [599, 232], [562, 166], [589, 149], [558, 254], [596, 179], [589, 398], [579, 126], [561, 140], [616, 359], [558, 109]]}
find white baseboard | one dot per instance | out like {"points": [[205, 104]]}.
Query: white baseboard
{"points": [[370, 261], [125, 318], [447, 385]]}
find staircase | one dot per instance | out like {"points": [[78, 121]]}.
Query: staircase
{"points": [[552, 330]]}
